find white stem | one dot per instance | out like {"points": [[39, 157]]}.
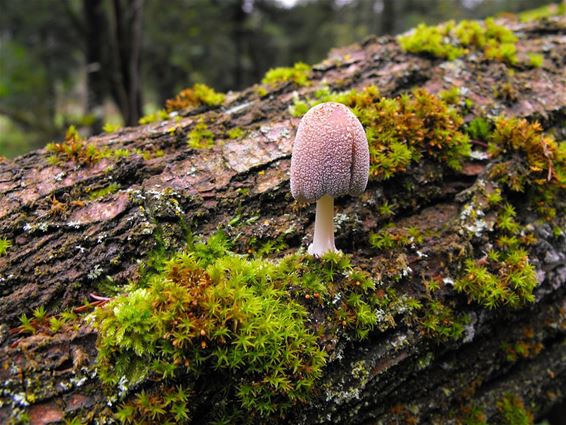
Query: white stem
{"points": [[323, 240]]}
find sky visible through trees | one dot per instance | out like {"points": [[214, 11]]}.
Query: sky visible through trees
{"points": [[90, 62]]}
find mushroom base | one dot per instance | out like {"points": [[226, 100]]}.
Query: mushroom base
{"points": [[323, 240]]}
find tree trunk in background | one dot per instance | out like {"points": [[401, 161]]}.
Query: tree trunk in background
{"points": [[65, 243], [126, 58], [388, 17], [95, 36], [239, 32]]}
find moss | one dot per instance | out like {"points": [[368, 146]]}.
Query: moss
{"points": [[525, 157], [5, 244], [403, 130], [110, 128], [441, 322], [235, 133], [511, 410], [199, 94], [472, 415], [200, 136], [536, 60], [299, 74], [451, 40], [206, 311], [159, 115], [542, 12], [450, 96], [101, 193], [479, 128], [75, 149]]}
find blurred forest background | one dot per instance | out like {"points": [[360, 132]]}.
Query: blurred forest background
{"points": [[89, 62]]}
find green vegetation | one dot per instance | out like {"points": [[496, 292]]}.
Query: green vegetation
{"points": [[479, 129], [441, 322], [511, 411], [235, 133], [525, 157], [75, 149], [102, 192], [451, 40], [159, 115], [536, 60], [5, 244], [208, 312], [299, 74], [200, 136], [110, 128], [403, 130], [199, 94], [543, 12]]}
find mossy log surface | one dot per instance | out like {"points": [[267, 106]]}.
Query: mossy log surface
{"points": [[64, 243]]}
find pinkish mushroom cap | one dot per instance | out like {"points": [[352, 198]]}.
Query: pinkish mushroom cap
{"points": [[330, 154]]}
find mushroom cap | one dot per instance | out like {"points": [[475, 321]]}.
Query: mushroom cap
{"points": [[330, 154]]}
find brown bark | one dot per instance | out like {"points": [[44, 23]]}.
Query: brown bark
{"points": [[59, 255]]}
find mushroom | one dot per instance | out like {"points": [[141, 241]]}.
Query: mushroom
{"points": [[330, 159]]}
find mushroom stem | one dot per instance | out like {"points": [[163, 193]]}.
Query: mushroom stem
{"points": [[323, 240]]}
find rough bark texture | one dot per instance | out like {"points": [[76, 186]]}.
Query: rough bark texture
{"points": [[60, 253]]}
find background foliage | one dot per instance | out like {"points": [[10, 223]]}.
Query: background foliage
{"points": [[87, 62]]}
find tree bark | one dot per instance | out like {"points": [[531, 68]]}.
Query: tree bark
{"points": [[65, 244]]}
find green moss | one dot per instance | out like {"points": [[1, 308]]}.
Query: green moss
{"points": [[451, 40], [479, 129], [208, 312], [441, 322], [200, 136], [536, 60], [110, 128], [542, 12], [511, 411], [403, 130], [5, 244], [235, 133], [199, 94], [75, 149], [159, 115], [299, 74], [101, 193], [450, 96], [525, 157], [472, 415]]}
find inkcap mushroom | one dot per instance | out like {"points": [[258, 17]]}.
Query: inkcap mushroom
{"points": [[330, 159]]}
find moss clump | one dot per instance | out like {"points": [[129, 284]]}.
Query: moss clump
{"points": [[299, 74], [451, 40], [542, 12], [74, 148], [525, 157], [479, 129], [199, 94], [440, 321], [235, 133], [403, 130], [200, 136], [159, 115], [101, 193], [391, 237], [511, 411], [208, 312], [110, 128], [536, 60], [5, 244]]}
